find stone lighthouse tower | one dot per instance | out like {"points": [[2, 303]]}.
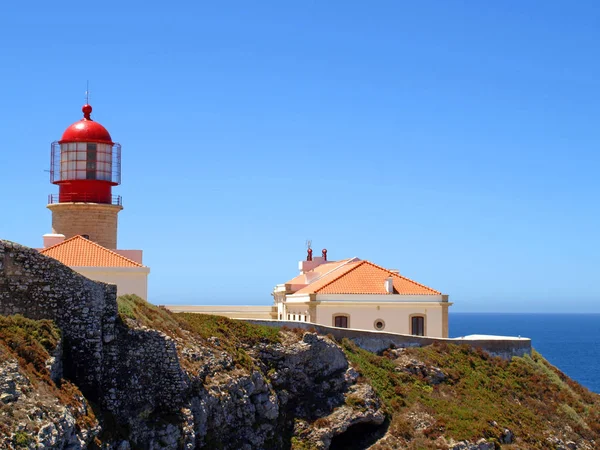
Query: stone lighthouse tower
{"points": [[86, 164]]}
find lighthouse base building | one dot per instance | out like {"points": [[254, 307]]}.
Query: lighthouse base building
{"points": [[86, 165]]}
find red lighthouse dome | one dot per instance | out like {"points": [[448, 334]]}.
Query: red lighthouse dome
{"points": [[85, 163], [86, 130]]}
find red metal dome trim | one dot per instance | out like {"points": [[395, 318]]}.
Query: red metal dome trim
{"points": [[86, 130]]}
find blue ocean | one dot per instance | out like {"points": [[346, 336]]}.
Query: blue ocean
{"points": [[570, 342]]}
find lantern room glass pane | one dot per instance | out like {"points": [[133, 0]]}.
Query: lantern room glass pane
{"points": [[87, 160]]}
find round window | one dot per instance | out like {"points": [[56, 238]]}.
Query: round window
{"points": [[379, 324]]}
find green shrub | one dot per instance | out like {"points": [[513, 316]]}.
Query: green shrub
{"points": [[22, 439]]}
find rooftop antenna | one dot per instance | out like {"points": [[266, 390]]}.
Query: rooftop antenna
{"points": [[87, 92], [308, 250]]}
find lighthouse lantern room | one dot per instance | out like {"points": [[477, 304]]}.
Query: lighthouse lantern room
{"points": [[86, 164]]}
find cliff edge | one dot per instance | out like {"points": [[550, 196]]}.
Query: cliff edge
{"points": [[80, 370]]}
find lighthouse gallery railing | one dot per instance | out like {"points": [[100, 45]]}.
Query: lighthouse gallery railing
{"points": [[82, 198]]}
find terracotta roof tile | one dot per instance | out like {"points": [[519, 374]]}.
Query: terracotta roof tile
{"points": [[364, 277], [81, 252]]}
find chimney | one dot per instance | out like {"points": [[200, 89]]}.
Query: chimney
{"points": [[311, 262], [389, 285], [52, 239]]}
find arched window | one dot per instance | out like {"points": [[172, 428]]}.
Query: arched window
{"points": [[341, 320], [417, 325]]}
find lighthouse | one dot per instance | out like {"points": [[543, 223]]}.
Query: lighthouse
{"points": [[86, 165]]}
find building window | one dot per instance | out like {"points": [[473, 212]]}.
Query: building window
{"points": [[379, 324], [294, 317], [340, 321], [417, 325], [280, 316], [289, 317]]}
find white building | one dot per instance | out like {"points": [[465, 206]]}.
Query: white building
{"points": [[101, 264], [359, 294]]}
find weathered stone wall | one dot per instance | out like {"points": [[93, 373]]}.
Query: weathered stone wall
{"points": [[377, 341], [119, 367], [39, 287], [151, 379]]}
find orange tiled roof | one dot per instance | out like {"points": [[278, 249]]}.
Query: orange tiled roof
{"points": [[81, 252], [364, 277], [320, 270]]}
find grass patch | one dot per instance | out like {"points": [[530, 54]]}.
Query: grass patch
{"points": [[234, 336], [378, 371], [526, 395], [226, 329], [31, 342], [21, 439], [149, 315]]}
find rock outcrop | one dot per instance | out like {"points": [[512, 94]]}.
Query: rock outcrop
{"points": [[157, 389]]}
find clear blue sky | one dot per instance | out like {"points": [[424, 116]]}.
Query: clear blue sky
{"points": [[454, 140]]}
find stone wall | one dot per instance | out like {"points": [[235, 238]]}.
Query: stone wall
{"points": [[39, 287], [377, 341], [155, 382], [117, 366]]}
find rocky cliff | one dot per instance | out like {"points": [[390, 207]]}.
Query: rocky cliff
{"points": [[141, 377], [80, 370]]}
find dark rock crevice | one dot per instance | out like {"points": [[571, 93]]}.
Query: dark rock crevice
{"points": [[360, 436]]}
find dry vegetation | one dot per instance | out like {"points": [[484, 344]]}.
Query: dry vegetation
{"points": [[232, 336], [480, 397], [31, 343]]}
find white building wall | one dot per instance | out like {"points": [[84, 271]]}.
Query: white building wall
{"points": [[396, 316], [134, 255], [379, 298], [128, 280]]}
